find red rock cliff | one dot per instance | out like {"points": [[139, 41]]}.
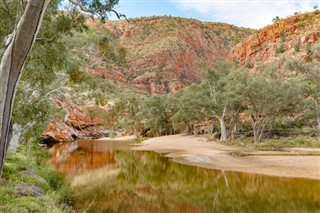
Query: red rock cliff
{"points": [[285, 36]]}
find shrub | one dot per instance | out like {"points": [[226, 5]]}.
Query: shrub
{"points": [[282, 35], [308, 47], [297, 47], [300, 24], [280, 49], [276, 19], [249, 65]]}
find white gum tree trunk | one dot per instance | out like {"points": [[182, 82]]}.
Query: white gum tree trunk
{"points": [[18, 47], [224, 135]]}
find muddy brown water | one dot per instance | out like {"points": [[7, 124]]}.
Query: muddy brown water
{"points": [[109, 177]]}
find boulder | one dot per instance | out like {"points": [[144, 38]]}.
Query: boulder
{"points": [[58, 131]]}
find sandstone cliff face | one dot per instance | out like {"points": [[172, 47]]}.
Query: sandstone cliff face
{"points": [[290, 36], [163, 53]]}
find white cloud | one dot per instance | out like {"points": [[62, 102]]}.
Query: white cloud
{"points": [[250, 13]]}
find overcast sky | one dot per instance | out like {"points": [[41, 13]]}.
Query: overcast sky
{"points": [[245, 13]]}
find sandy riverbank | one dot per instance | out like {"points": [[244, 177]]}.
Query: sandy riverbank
{"points": [[124, 138], [302, 163]]}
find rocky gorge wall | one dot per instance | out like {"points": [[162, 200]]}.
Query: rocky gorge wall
{"points": [[289, 37], [165, 54]]}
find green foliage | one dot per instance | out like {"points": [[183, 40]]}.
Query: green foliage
{"points": [[280, 49], [249, 65], [74, 72], [301, 24], [46, 67], [29, 169], [297, 66], [155, 114], [308, 47], [127, 110], [266, 95], [121, 55], [111, 51], [316, 51], [283, 35], [297, 47], [188, 109], [33, 112], [289, 143], [96, 5], [276, 19]]}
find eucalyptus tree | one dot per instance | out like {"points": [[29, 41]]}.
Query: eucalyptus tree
{"points": [[220, 98], [17, 47], [189, 109], [34, 103], [127, 111], [266, 95], [314, 83], [309, 80], [155, 115]]}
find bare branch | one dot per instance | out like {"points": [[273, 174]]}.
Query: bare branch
{"points": [[104, 53]]}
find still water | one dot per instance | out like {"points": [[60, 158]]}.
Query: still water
{"points": [[109, 177]]}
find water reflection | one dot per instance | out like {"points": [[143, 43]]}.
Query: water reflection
{"points": [[149, 182], [82, 156]]}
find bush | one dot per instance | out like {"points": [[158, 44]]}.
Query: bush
{"points": [[280, 49], [249, 65], [300, 24], [297, 47], [308, 47], [282, 35]]}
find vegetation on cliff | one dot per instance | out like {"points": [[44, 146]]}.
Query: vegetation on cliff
{"points": [[162, 53], [287, 38]]}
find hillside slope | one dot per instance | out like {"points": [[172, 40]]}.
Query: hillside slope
{"points": [[163, 53], [288, 38]]}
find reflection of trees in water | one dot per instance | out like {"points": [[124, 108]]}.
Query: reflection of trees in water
{"points": [[77, 158], [170, 187]]}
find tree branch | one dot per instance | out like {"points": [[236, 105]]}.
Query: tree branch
{"points": [[97, 10]]}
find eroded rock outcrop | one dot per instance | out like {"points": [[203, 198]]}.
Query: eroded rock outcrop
{"points": [[77, 124], [290, 36], [58, 131]]}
